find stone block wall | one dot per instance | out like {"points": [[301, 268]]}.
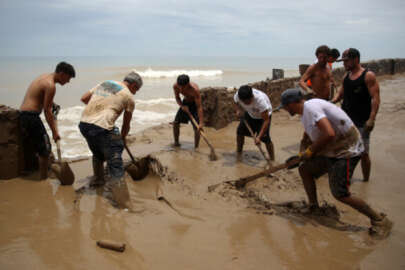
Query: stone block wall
{"points": [[10, 147]]}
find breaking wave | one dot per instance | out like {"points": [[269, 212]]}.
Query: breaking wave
{"points": [[150, 73]]}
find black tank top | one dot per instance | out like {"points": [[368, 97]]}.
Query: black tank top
{"points": [[357, 99]]}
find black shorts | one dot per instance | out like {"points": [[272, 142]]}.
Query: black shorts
{"points": [[33, 132], [183, 117], [255, 125], [339, 170]]}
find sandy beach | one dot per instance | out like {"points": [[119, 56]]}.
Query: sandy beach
{"points": [[263, 226]]}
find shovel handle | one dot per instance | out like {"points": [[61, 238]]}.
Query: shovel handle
{"points": [[129, 153], [201, 132], [58, 151], [254, 138]]}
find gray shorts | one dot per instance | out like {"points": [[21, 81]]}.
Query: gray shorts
{"points": [[365, 136], [339, 170]]}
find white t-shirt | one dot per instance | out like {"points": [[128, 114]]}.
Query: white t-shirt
{"points": [[348, 141], [107, 102], [260, 103]]}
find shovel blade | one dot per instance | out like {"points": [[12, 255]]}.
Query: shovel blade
{"points": [[65, 174]]}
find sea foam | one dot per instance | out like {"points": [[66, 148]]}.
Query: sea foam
{"points": [[147, 113]]}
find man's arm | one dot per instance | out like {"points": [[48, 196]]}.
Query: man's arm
{"points": [[338, 95], [307, 75], [178, 99], [374, 90], [48, 101], [86, 97], [327, 135], [266, 123], [238, 110], [126, 124]]}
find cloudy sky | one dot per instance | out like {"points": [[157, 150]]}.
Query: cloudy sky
{"points": [[200, 27]]}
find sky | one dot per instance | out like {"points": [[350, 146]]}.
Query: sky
{"points": [[200, 27]]}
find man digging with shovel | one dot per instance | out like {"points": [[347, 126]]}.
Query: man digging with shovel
{"points": [[257, 118], [336, 149], [38, 97], [190, 105], [104, 104]]}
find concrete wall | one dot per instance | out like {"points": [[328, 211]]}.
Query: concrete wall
{"points": [[218, 102]]}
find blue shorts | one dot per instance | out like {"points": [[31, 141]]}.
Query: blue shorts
{"points": [[106, 145]]}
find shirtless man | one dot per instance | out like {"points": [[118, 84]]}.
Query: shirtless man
{"points": [[361, 100], [191, 104], [320, 75], [38, 97]]}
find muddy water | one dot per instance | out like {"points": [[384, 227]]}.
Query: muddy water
{"points": [[178, 224]]}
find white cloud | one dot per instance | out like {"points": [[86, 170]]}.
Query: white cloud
{"points": [[198, 27]]}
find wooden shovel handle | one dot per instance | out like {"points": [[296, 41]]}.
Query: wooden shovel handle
{"points": [[201, 132], [58, 151], [254, 138], [129, 153]]}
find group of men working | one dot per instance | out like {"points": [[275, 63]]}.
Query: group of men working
{"points": [[334, 141]]}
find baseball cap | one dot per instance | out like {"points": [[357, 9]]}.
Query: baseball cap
{"points": [[289, 96], [350, 53]]}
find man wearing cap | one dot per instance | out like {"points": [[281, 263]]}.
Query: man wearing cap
{"points": [[104, 104], [319, 74], [38, 97], [336, 148], [190, 105], [361, 99], [258, 109]]}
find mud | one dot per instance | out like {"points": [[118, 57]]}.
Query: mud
{"points": [[176, 223]]}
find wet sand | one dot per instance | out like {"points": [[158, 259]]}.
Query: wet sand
{"points": [[178, 224]]}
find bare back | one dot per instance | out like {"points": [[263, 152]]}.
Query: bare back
{"points": [[41, 88]]}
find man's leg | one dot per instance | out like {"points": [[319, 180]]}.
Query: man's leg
{"points": [[115, 165], [43, 167], [365, 166], [96, 139], [309, 171], [176, 133], [196, 137], [309, 185], [340, 173], [365, 158], [270, 150], [361, 206], [98, 171]]}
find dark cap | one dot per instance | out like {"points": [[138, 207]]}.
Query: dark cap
{"points": [[289, 96], [350, 53]]}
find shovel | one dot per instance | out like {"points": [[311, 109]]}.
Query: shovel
{"points": [[258, 145], [213, 156], [63, 171], [241, 182], [136, 172]]}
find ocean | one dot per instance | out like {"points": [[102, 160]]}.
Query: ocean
{"points": [[154, 103]]}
